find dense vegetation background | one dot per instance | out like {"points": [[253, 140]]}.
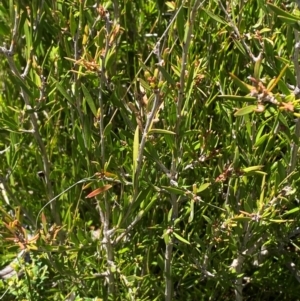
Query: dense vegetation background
{"points": [[149, 149]]}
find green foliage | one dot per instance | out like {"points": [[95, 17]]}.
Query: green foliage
{"points": [[151, 149]]}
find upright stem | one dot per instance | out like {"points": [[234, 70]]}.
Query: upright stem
{"points": [[105, 213], [177, 153]]}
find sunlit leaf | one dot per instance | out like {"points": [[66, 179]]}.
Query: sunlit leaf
{"points": [[160, 131], [252, 168], [242, 85], [245, 110], [203, 187], [238, 98], [180, 238]]}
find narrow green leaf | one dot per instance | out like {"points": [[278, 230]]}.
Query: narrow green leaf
{"points": [[151, 151], [4, 29], [180, 25], [9, 123], [144, 84], [79, 139], [63, 91], [245, 110], [261, 140], [28, 37], [192, 206], [258, 172], [242, 85], [274, 83], [295, 24], [252, 168], [215, 17], [20, 82], [280, 12], [72, 22], [189, 81], [257, 68], [181, 238], [107, 129], [238, 98], [186, 31], [73, 239], [110, 58], [282, 85], [143, 198], [291, 211], [166, 75], [260, 203], [207, 219], [161, 131], [203, 187], [135, 150], [236, 158], [174, 190], [152, 202], [240, 47], [89, 99], [166, 237]]}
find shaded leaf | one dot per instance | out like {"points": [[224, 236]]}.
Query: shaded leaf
{"points": [[89, 99]]}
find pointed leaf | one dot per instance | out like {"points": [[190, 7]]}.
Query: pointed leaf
{"points": [[87, 185], [291, 211], [181, 238], [89, 99], [180, 25], [280, 12], [238, 98], [161, 131], [98, 191], [242, 85], [215, 17], [63, 91], [135, 151], [274, 83], [191, 217], [203, 187], [166, 75], [245, 110], [174, 190], [252, 168]]}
